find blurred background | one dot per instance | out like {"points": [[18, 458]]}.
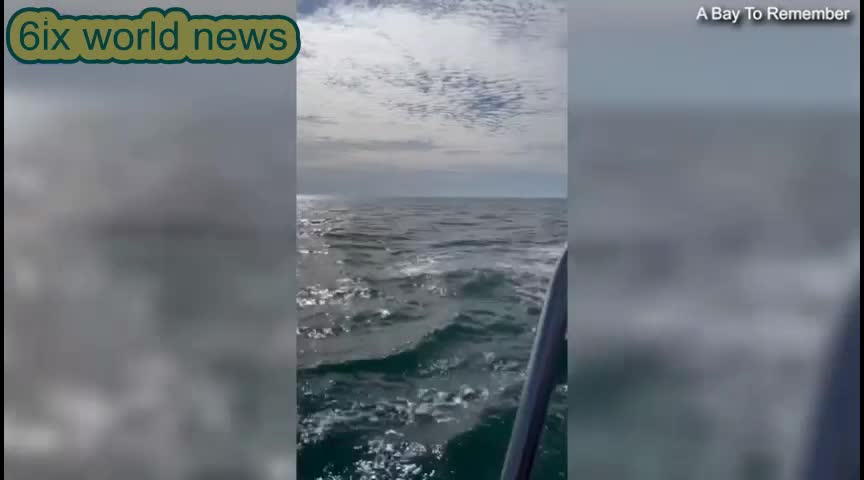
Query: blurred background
{"points": [[714, 235], [148, 240]]}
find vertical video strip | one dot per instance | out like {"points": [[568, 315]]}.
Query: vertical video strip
{"points": [[149, 314], [714, 235], [431, 216]]}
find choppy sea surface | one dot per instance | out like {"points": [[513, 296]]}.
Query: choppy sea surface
{"points": [[416, 322]]}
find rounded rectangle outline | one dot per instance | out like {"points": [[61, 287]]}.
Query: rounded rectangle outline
{"points": [[140, 15]]}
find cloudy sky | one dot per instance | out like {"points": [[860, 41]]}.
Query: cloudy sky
{"points": [[633, 53], [208, 143], [432, 98]]}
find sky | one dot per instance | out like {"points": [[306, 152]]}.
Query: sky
{"points": [[630, 54], [196, 143], [432, 98], [456, 98]]}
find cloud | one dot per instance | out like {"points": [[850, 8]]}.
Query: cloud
{"points": [[399, 86], [432, 86]]}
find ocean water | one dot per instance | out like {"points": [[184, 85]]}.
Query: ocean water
{"points": [[147, 356], [416, 322], [148, 326], [711, 253]]}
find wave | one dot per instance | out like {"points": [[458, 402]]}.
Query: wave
{"points": [[352, 238], [391, 378], [371, 437], [456, 244], [411, 359]]}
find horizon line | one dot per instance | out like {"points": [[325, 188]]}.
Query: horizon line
{"points": [[480, 197]]}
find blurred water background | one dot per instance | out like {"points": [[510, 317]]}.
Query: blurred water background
{"points": [[712, 250], [148, 259]]}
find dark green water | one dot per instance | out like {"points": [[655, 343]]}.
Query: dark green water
{"points": [[416, 322]]}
